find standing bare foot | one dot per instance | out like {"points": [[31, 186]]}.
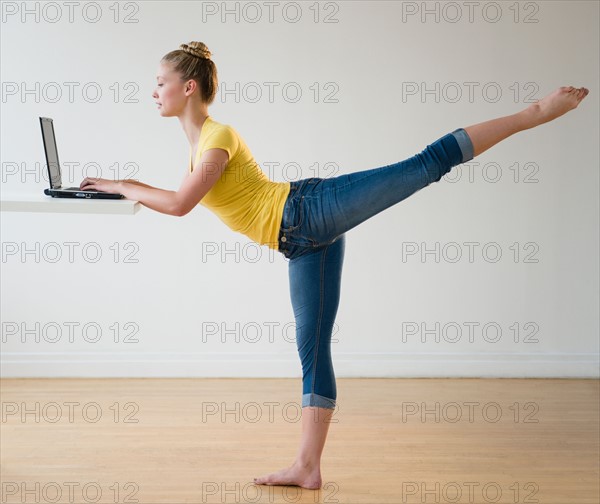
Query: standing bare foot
{"points": [[557, 103], [302, 475]]}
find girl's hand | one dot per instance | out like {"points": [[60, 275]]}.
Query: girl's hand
{"points": [[98, 184]]}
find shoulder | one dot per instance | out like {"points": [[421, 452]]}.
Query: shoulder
{"points": [[222, 136], [218, 128]]}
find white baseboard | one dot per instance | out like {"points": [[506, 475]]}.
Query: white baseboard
{"points": [[346, 365]]}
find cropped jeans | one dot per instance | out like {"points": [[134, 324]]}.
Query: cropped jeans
{"points": [[316, 215]]}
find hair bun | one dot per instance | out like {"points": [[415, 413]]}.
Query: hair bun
{"points": [[197, 49]]}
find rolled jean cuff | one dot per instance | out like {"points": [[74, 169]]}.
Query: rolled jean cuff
{"points": [[317, 401], [465, 144]]}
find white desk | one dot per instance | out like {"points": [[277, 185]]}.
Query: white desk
{"points": [[29, 202]]}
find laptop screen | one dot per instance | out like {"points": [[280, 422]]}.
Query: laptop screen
{"points": [[51, 152]]}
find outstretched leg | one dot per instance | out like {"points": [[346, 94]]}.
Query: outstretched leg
{"points": [[332, 206]]}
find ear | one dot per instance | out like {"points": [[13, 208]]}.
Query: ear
{"points": [[190, 87]]}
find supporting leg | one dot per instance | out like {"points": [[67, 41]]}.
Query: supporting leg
{"points": [[315, 285], [306, 469]]}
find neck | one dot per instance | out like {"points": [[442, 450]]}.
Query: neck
{"points": [[191, 120]]}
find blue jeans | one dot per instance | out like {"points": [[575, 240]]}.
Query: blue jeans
{"points": [[316, 215]]}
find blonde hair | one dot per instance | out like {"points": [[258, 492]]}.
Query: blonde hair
{"points": [[192, 61]]}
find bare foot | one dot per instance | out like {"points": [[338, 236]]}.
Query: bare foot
{"points": [[305, 476], [557, 103]]}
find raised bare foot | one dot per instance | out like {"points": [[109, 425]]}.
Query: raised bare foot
{"points": [[557, 103], [305, 476]]}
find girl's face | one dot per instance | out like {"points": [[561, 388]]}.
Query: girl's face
{"points": [[170, 93]]}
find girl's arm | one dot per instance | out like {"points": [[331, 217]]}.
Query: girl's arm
{"points": [[194, 187], [206, 173], [136, 182], [161, 200]]}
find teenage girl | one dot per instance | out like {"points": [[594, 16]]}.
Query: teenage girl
{"points": [[306, 220]]}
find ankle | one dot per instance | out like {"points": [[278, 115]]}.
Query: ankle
{"points": [[306, 463], [531, 116]]}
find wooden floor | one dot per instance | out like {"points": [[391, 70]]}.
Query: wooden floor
{"points": [[177, 441]]}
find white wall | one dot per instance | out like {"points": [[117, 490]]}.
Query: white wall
{"points": [[544, 286]]}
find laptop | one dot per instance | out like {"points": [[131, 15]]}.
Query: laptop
{"points": [[56, 189]]}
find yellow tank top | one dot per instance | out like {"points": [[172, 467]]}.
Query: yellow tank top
{"points": [[244, 198]]}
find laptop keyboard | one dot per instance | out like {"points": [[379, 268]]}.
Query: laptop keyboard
{"points": [[77, 189]]}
